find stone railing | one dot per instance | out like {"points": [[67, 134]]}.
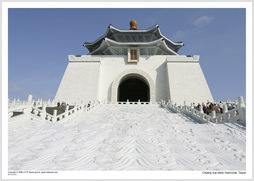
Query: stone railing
{"points": [[67, 114], [37, 109], [15, 103], [235, 115], [133, 103], [20, 110]]}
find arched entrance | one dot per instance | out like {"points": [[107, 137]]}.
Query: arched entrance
{"points": [[133, 89], [132, 73]]}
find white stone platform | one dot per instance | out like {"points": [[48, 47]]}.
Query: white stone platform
{"points": [[121, 137]]}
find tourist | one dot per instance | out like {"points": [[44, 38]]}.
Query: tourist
{"points": [[213, 108], [198, 106], [58, 104], [211, 105], [233, 106], [63, 105], [208, 105], [204, 109], [220, 107]]}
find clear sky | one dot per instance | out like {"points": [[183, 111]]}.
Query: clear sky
{"points": [[40, 40]]}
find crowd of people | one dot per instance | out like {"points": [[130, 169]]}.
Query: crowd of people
{"points": [[209, 107], [63, 105]]}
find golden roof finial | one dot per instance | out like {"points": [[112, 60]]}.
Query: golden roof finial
{"points": [[133, 25]]}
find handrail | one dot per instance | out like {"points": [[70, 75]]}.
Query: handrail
{"points": [[41, 113], [30, 109], [235, 115], [133, 103]]}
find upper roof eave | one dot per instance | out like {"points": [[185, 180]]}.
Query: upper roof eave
{"points": [[111, 27], [107, 42]]}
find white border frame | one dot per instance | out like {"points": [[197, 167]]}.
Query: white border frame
{"points": [[126, 174]]}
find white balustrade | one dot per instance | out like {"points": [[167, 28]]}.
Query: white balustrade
{"points": [[28, 108], [133, 103], [234, 115]]}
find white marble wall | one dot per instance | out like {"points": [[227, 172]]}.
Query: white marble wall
{"points": [[91, 77], [187, 82], [80, 82]]}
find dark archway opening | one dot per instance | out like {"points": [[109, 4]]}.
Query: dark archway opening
{"points": [[133, 89]]}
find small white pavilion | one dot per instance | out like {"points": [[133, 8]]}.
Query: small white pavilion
{"points": [[134, 65]]}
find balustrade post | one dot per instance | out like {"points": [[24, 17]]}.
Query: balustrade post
{"points": [[44, 106], [242, 113], [213, 114], [241, 101], [66, 111], [175, 107], [201, 109], [29, 99], [184, 106], [139, 102], [180, 109], [54, 118], [192, 108], [10, 114], [127, 102], [225, 108]]}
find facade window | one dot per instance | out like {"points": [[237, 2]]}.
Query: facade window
{"points": [[133, 54]]}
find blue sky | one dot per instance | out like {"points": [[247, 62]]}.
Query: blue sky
{"points": [[39, 41]]}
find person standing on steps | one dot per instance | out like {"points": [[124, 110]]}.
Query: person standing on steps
{"points": [[220, 107]]}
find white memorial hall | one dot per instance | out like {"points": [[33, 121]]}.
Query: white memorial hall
{"points": [[134, 65]]}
